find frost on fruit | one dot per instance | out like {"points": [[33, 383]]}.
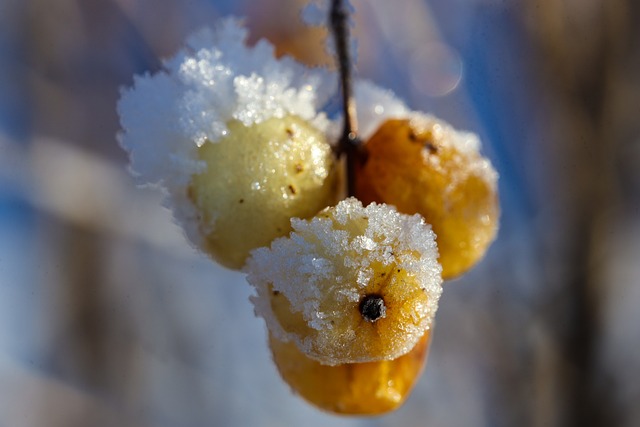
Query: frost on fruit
{"points": [[422, 165], [311, 287], [217, 90]]}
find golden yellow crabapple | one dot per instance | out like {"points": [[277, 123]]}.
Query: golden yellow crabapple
{"points": [[422, 165], [351, 285]]}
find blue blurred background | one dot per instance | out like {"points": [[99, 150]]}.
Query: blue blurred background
{"points": [[108, 317]]}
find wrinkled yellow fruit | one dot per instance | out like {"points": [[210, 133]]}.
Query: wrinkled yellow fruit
{"points": [[351, 285], [370, 388], [423, 166], [256, 179]]}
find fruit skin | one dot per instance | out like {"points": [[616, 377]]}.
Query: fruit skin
{"points": [[422, 166], [256, 179], [370, 388]]}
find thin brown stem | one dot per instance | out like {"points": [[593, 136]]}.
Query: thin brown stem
{"points": [[349, 142]]}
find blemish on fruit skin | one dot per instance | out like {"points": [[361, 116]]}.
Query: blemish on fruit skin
{"points": [[289, 132], [292, 189], [298, 168], [430, 147], [241, 201], [427, 142]]}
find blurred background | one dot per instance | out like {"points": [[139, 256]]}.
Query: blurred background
{"points": [[109, 318]]}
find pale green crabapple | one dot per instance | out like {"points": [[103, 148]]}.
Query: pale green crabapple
{"points": [[235, 138]]}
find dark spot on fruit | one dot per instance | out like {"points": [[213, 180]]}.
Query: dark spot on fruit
{"points": [[275, 293], [413, 137], [241, 201], [292, 189], [430, 147], [279, 229], [289, 132], [372, 307], [298, 168]]}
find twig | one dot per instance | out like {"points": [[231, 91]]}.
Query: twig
{"points": [[349, 142]]}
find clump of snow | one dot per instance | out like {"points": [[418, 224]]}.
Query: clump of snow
{"points": [[309, 285], [216, 78], [375, 105]]}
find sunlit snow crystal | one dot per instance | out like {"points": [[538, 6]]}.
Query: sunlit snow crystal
{"points": [[309, 285], [375, 105], [214, 79]]}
